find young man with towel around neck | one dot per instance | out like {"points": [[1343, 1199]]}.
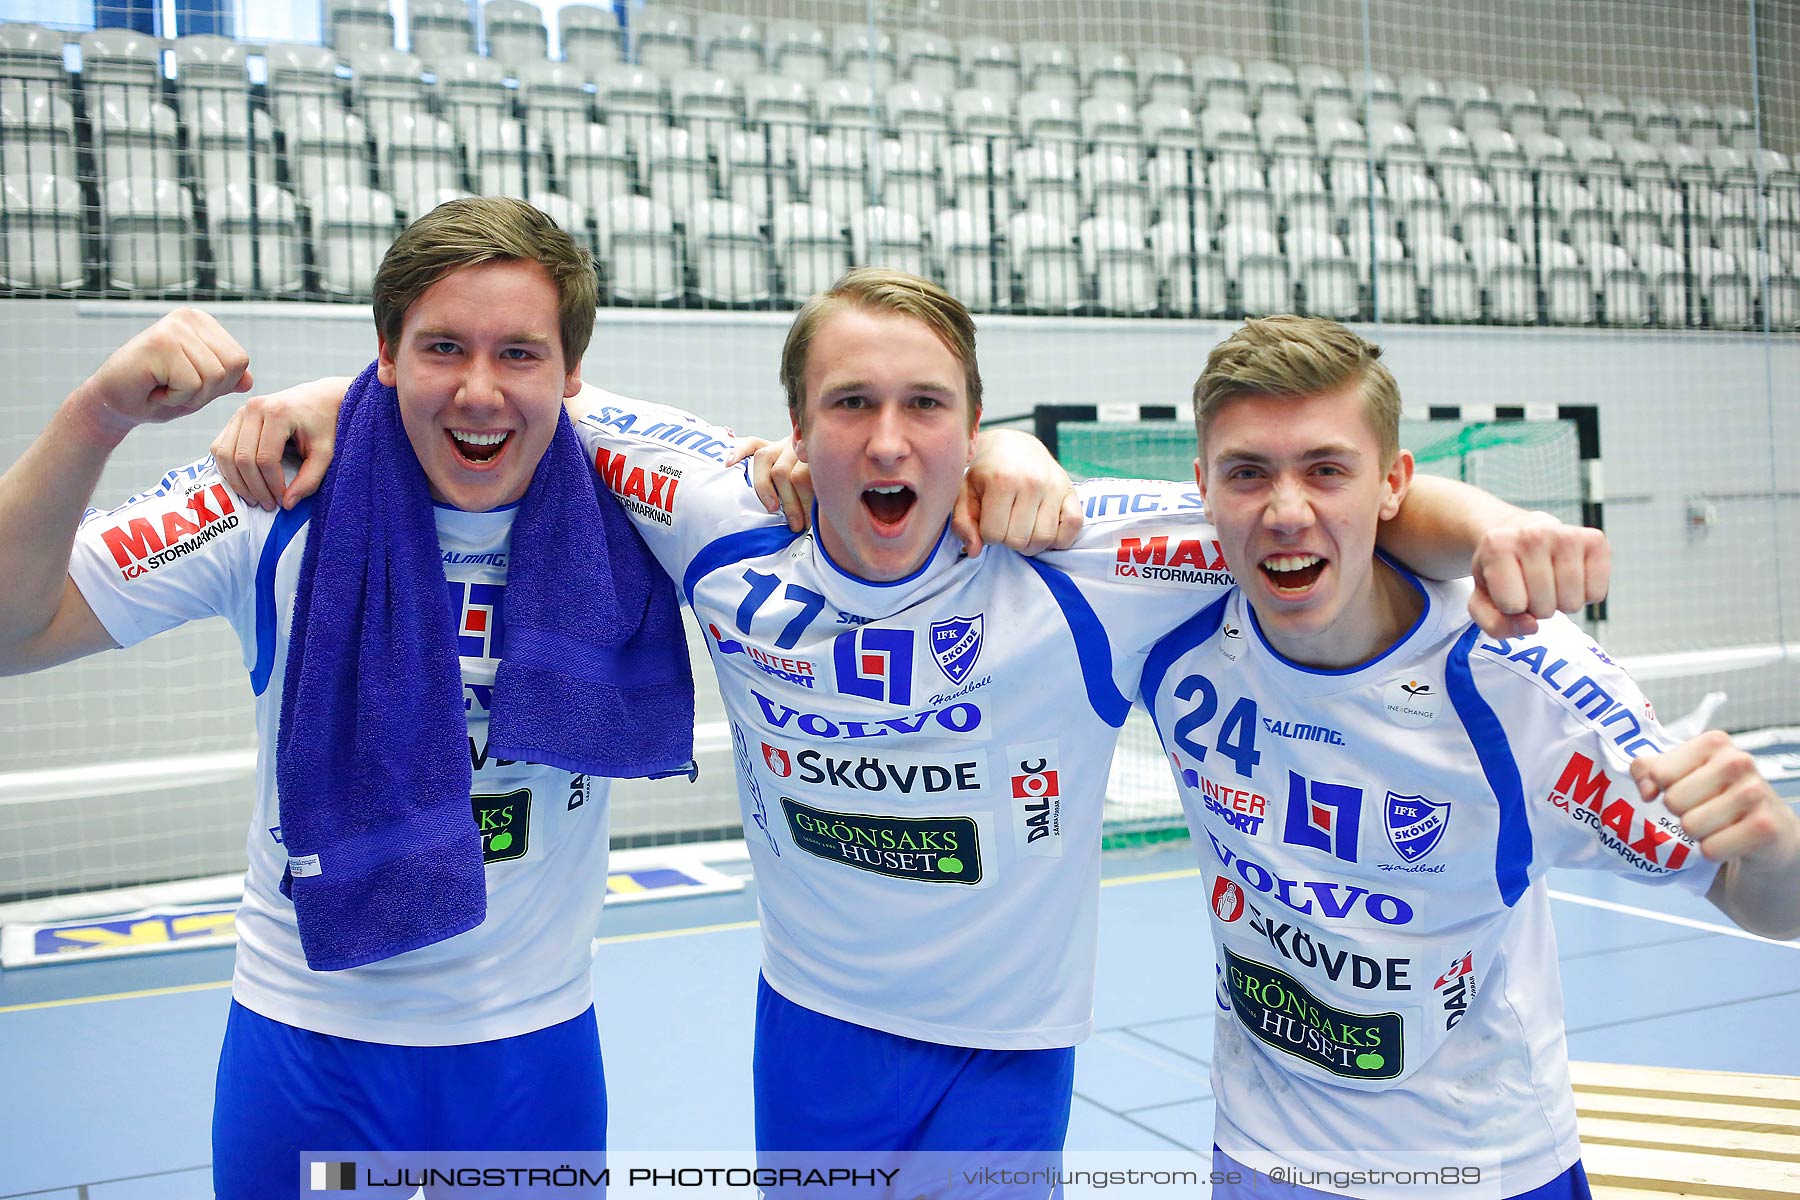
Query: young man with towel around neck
{"points": [[922, 737], [415, 939]]}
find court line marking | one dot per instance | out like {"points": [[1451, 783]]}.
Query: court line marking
{"points": [[1671, 919]]}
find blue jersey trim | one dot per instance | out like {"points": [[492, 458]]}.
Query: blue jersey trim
{"points": [[1424, 611], [288, 524], [877, 583], [733, 547], [1092, 648], [1512, 850], [1177, 642]]}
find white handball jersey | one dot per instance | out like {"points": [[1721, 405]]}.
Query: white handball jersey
{"points": [[1374, 843], [188, 549], [922, 763]]}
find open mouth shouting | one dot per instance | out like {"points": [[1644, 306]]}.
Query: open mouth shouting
{"points": [[888, 504], [1292, 575], [478, 449]]}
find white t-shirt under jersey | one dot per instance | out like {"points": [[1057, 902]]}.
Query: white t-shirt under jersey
{"points": [[188, 549], [921, 763], [1374, 843]]}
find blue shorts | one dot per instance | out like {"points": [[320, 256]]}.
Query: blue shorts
{"points": [[826, 1084], [1572, 1184], [283, 1090]]}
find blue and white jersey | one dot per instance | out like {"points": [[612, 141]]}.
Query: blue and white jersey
{"points": [[189, 549], [1374, 843], [921, 764]]}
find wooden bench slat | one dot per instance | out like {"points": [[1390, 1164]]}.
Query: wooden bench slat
{"points": [[1673, 1172]]}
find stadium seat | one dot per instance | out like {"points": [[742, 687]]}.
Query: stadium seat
{"points": [[37, 133], [977, 175], [1668, 280], [590, 37], [1107, 71], [882, 238], [1624, 293], [1655, 119], [731, 46], [753, 173], [31, 58], [351, 229], [1451, 280], [798, 50], [134, 140], [1220, 84], [515, 33], [919, 116], [1049, 67], [40, 233], [848, 113], [385, 87], [929, 60], [594, 166], [301, 77], [1311, 213], [473, 96], [837, 176], [709, 105], [969, 263], [327, 148], [1737, 125], [1047, 262], [1044, 181], [419, 160], [630, 99], [982, 113], [570, 217], [554, 100], [1117, 262], [1227, 128], [120, 65], [1273, 88], [991, 65], [1325, 271], [1427, 217], [728, 253], [1781, 302], [859, 52], [909, 180], [781, 110], [1049, 117], [1293, 175], [257, 258], [662, 40], [638, 245], [359, 26], [1341, 137], [810, 250], [440, 30], [1568, 286], [675, 169], [1522, 110], [1390, 277], [148, 227], [1164, 79], [1264, 285], [1248, 206], [1320, 83], [1168, 128], [1376, 97], [515, 162], [1177, 189], [1278, 131], [1738, 237], [1427, 104], [209, 69], [1725, 286], [1112, 188], [221, 146], [1193, 273], [1109, 123]]}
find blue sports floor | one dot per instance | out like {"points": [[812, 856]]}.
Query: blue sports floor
{"points": [[106, 1068]]}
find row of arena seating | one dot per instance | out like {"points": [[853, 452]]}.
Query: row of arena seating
{"points": [[147, 238]]}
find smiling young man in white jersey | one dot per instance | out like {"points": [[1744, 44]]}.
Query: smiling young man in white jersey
{"points": [[482, 1039], [922, 738], [1376, 790]]}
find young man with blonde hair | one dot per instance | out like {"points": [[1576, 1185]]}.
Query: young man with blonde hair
{"points": [[428, 847], [1388, 995], [922, 737]]}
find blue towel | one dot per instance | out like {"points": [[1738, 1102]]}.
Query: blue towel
{"points": [[372, 757]]}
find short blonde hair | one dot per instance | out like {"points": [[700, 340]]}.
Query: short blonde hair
{"points": [[881, 290], [1296, 357], [483, 229]]}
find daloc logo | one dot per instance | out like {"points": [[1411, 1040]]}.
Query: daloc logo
{"points": [[956, 644]]}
